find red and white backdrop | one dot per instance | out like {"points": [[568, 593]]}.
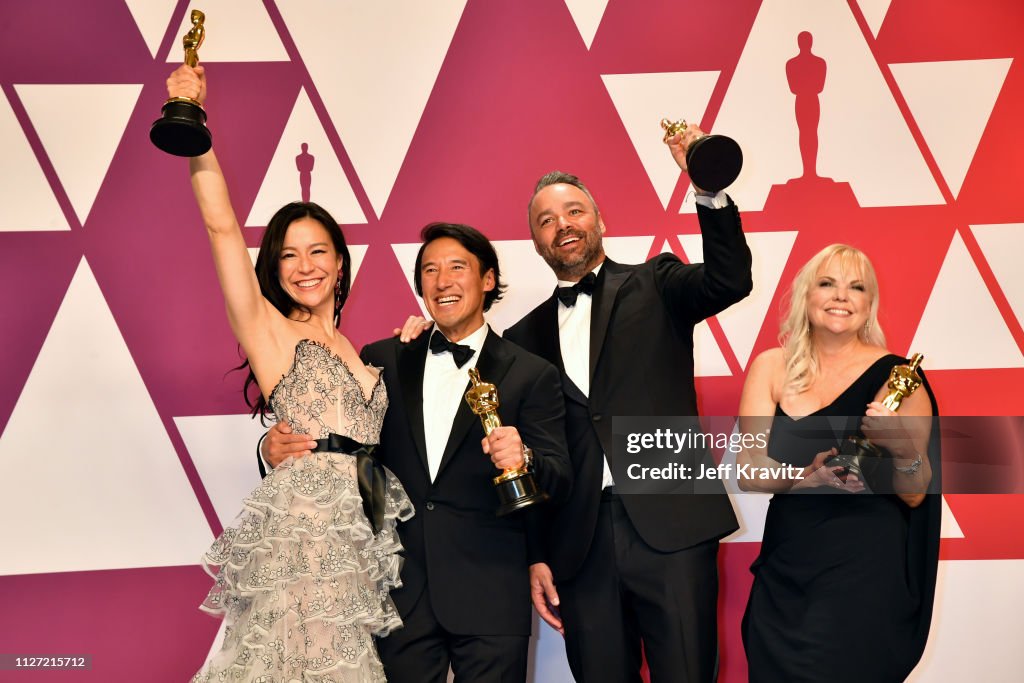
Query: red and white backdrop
{"points": [[123, 440]]}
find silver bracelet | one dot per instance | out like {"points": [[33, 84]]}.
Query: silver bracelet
{"points": [[912, 468], [527, 457]]}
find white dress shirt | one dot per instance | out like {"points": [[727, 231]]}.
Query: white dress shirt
{"points": [[574, 342], [444, 389], [712, 201]]}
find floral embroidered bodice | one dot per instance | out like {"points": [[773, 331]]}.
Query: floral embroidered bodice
{"points": [[320, 396]]}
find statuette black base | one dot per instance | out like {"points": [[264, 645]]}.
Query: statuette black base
{"points": [[714, 162], [181, 130], [516, 492]]}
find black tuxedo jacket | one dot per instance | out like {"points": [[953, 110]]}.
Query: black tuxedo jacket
{"points": [[473, 563], [641, 363]]}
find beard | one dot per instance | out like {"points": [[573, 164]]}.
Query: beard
{"points": [[574, 266]]}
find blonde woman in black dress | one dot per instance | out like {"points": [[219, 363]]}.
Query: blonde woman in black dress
{"points": [[843, 585]]}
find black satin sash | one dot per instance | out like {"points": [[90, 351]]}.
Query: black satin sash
{"points": [[369, 473]]}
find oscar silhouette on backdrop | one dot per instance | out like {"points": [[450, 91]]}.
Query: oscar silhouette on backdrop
{"points": [[304, 164], [806, 74]]}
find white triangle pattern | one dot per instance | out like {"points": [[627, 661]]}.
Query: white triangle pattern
{"points": [[751, 507], [80, 148], [152, 17], [357, 252], [934, 104], [977, 609], [950, 527], [329, 187], [374, 65], [520, 265], [628, 249], [1002, 245], [223, 449], [26, 200], [959, 306], [405, 254], [235, 31], [108, 505], [643, 100], [742, 322], [874, 12], [758, 112], [587, 15], [708, 360]]}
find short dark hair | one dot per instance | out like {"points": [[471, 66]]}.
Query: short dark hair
{"points": [[475, 242], [559, 178]]}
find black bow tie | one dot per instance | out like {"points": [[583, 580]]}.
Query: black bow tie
{"points": [[460, 352], [568, 295]]}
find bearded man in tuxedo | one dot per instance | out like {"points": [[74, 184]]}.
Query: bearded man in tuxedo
{"points": [[621, 570]]}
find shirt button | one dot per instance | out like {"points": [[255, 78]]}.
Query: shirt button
{"points": [[430, 506], [596, 418]]}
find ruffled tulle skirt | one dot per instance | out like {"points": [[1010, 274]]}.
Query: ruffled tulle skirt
{"points": [[302, 580]]}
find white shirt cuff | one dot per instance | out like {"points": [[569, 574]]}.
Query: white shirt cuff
{"points": [[259, 452], [712, 201]]}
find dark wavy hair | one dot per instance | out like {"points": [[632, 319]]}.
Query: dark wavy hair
{"points": [[475, 242], [268, 275]]}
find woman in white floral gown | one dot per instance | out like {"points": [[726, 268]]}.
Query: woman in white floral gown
{"points": [[302, 575]]}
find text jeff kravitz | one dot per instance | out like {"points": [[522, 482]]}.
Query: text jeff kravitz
{"points": [[679, 471]]}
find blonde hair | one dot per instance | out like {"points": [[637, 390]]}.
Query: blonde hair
{"points": [[795, 332]]}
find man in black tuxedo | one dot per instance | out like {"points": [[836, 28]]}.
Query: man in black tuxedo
{"points": [[464, 598], [626, 569]]}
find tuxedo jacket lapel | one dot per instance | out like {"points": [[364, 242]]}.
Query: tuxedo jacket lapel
{"points": [[548, 346], [572, 391], [606, 290], [493, 365], [412, 358]]}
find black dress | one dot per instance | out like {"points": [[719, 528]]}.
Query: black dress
{"points": [[844, 583]]}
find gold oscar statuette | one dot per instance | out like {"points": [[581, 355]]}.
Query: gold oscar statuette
{"points": [[181, 129], [713, 161], [516, 487], [857, 453]]}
